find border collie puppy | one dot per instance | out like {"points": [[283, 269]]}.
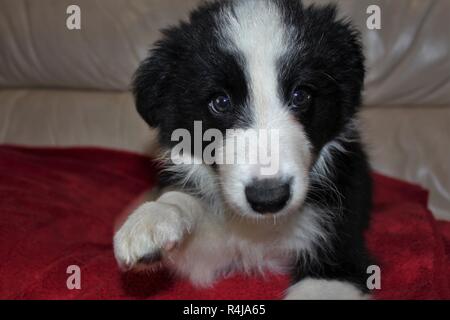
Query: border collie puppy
{"points": [[251, 65]]}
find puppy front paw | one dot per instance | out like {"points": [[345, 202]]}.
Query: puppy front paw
{"points": [[149, 232]]}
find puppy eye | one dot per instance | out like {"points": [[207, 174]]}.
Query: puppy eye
{"points": [[220, 104], [301, 98]]}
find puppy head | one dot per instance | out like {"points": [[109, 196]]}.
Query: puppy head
{"points": [[271, 68]]}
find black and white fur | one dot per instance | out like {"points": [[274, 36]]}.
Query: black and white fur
{"points": [[257, 51]]}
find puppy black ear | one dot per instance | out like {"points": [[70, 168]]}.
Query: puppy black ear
{"points": [[150, 86]]}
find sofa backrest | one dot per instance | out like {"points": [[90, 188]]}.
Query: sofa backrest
{"points": [[408, 60]]}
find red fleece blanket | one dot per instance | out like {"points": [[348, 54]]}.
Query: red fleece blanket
{"points": [[58, 208]]}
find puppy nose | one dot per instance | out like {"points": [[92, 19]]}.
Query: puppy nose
{"points": [[268, 195]]}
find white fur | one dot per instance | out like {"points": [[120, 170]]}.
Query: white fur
{"points": [[153, 226], [323, 165], [204, 183], [251, 24], [321, 289], [211, 245]]}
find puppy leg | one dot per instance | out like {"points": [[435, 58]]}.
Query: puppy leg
{"points": [[323, 289], [156, 227], [342, 276]]}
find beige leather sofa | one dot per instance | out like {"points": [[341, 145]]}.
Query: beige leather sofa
{"points": [[69, 88]]}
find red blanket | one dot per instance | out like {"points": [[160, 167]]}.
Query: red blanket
{"points": [[58, 208]]}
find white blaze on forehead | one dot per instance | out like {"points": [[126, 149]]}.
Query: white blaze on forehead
{"points": [[256, 30]]}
